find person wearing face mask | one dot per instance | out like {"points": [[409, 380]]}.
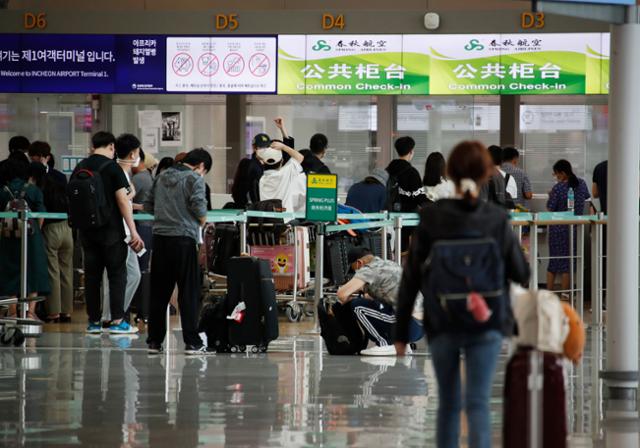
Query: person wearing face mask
{"points": [[127, 157], [284, 181], [177, 201]]}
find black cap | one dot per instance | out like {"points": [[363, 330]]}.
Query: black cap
{"points": [[356, 253], [261, 141]]}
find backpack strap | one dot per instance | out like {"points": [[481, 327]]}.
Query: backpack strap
{"points": [[507, 178], [8, 190]]}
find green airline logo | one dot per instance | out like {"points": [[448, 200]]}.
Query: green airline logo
{"points": [[321, 45], [474, 44]]}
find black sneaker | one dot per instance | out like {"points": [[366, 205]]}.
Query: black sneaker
{"points": [[198, 350], [154, 349]]}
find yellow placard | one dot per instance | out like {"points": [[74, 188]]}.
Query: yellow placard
{"points": [[322, 181]]}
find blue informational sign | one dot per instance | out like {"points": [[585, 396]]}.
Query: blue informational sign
{"points": [[92, 63]]}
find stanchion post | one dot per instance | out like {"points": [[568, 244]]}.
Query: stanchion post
{"points": [[596, 269], [383, 233], [572, 277], [533, 253], [296, 260], [318, 293], [24, 244], [397, 226], [580, 273]]}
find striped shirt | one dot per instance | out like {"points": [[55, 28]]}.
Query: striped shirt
{"points": [[522, 181]]}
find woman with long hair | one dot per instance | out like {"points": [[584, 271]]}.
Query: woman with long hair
{"points": [[465, 216], [435, 181], [559, 235]]}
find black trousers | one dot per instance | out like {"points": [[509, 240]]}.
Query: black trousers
{"points": [[97, 257], [174, 262]]}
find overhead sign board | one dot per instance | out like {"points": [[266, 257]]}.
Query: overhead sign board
{"points": [[67, 63], [462, 64], [600, 2]]}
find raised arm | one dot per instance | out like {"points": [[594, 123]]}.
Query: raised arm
{"points": [[292, 152]]}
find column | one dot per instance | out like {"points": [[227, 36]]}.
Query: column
{"points": [[621, 375], [510, 121], [236, 139]]}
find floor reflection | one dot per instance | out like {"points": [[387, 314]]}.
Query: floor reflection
{"points": [[68, 389]]}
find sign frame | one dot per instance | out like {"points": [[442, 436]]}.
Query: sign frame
{"points": [[326, 193]]}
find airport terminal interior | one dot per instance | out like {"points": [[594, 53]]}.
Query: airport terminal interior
{"points": [[62, 387]]}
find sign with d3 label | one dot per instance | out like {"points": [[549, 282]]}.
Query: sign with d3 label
{"points": [[322, 197]]}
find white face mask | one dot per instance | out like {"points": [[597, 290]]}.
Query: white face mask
{"points": [[136, 162]]}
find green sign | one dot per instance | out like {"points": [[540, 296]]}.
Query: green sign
{"points": [[322, 197], [457, 64]]}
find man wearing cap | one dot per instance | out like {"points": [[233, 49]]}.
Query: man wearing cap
{"points": [[284, 181], [370, 195], [377, 281]]}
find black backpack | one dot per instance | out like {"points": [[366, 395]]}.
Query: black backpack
{"points": [[88, 205], [17, 203], [454, 269], [393, 192], [340, 330]]}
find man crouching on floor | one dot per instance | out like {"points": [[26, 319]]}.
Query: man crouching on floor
{"points": [[376, 281]]}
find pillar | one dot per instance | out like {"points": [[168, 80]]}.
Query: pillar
{"points": [[510, 121], [621, 375], [236, 138]]}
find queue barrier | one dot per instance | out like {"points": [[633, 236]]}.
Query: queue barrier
{"points": [[396, 222]]}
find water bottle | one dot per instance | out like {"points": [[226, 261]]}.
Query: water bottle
{"points": [[571, 200]]}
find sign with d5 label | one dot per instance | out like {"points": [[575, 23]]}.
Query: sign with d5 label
{"points": [[322, 197]]}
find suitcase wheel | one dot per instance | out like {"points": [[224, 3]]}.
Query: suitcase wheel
{"points": [[294, 312], [263, 348], [242, 348], [255, 349], [234, 349]]}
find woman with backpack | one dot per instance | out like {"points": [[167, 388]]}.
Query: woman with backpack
{"points": [[462, 258], [558, 201], [18, 194]]}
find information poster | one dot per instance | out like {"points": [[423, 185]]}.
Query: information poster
{"points": [[221, 64]]}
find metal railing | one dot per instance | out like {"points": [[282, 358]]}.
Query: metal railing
{"points": [[396, 223]]}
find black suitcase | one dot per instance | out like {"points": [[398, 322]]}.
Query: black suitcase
{"points": [[224, 245], [250, 280], [336, 265], [373, 240]]}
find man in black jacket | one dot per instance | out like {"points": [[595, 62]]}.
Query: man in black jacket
{"points": [[405, 192], [410, 191], [312, 162]]}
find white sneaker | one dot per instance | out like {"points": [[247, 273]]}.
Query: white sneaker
{"points": [[384, 350]]}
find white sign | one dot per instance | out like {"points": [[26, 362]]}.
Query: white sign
{"points": [[551, 118], [149, 119], [221, 64], [358, 117], [150, 140], [412, 117]]}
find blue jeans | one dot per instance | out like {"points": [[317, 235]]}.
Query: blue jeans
{"points": [[481, 355], [378, 319]]}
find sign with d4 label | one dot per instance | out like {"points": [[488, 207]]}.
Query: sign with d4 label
{"points": [[322, 197]]}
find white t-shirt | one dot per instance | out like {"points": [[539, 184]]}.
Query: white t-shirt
{"points": [[289, 184], [512, 186]]}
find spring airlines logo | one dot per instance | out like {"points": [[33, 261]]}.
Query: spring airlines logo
{"points": [[474, 44], [321, 45]]}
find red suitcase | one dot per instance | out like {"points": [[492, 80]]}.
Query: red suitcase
{"points": [[544, 372]]}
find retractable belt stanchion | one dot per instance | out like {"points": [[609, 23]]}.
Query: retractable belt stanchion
{"points": [[533, 253], [580, 273], [243, 237], [318, 293], [383, 232], [397, 227], [24, 248]]}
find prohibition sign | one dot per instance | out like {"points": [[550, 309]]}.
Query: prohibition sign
{"points": [[208, 64], [182, 64], [233, 64], [259, 64]]}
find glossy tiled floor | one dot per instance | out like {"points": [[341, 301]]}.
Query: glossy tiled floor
{"points": [[68, 389]]}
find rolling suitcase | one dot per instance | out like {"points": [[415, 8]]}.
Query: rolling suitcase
{"points": [[534, 377], [224, 244], [251, 304], [213, 322], [336, 266]]}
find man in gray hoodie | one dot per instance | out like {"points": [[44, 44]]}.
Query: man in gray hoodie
{"points": [[178, 202]]}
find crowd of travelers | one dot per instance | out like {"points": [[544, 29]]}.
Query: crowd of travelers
{"points": [[468, 195]]}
